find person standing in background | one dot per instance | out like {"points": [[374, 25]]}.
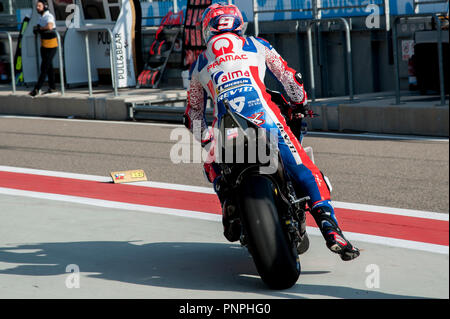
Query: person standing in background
{"points": [[49, 44]]}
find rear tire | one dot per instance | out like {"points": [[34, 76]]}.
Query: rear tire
{"points": [[275, 258]]}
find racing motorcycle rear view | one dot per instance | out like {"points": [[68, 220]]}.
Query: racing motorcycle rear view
{"points": [[267, 214], [265, 185]]}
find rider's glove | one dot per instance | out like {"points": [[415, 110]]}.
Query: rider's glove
{"points": [[301, 110], [298, 111]]}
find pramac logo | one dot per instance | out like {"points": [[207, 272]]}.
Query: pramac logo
{"points": [[222, 46]]}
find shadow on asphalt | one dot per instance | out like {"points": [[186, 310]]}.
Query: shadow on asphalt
{"points": [[200, 266]]}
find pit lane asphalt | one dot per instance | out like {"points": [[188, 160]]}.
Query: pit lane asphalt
{"points": [[129, 254], [412, 174]]}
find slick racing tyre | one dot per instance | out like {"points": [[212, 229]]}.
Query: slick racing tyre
{"points": [[275, 259]]}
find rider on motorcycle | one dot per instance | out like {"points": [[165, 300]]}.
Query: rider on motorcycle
{"points": [[233, 67]]}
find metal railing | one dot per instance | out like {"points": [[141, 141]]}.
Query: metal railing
{"points": [[311, 23], [439, 49], [11, 60], [8, 5], [175, 7], [12, 68], [316, 11], [13, 5], [152, 18], [61, 65], [257, 11], [348, 55], [418, 3], [112, 50]]}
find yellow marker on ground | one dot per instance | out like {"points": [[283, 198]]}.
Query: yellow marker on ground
{"points": [[128, 176]]}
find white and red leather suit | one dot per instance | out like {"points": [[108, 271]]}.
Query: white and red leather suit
{"points": [[233, 67]]}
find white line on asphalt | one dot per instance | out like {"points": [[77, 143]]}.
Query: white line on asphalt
{"points": [[33, 171], [392, 210], [210, 190], [388, 241], [112, 204], [217, 218], [310, 133], [380, 136], [90, 121], [105, 179]]}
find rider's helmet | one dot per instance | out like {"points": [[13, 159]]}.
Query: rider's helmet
{"points": [[221, 17]]}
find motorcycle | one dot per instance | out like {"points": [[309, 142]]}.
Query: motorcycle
{"points": [[269, 211]]}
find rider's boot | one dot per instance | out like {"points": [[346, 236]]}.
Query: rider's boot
{"points": [[230, 217], [303, 245], [335, 240]]}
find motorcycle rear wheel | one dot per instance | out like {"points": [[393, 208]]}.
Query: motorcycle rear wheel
{"points": [[274, 257]]}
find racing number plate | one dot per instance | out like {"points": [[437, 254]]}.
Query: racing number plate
{"points": [[128, 176]]}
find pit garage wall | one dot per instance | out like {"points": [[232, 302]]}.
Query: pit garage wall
{"points": [[371, 69], [372, 57], [372, 60], [397, 7]]}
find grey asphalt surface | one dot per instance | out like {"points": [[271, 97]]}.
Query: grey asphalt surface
{"points": [[412, 174], [130, 254]]}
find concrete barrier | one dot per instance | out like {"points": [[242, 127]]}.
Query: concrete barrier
{"points": [[79, 105], [412, 118], [395, 119], [416, 115]]}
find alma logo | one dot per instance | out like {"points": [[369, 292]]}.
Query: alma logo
{"points": [[233, 75], [222, 77], [222, 46]]}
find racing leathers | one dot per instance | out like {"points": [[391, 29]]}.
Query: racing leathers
{"points": [[233, 67]]}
